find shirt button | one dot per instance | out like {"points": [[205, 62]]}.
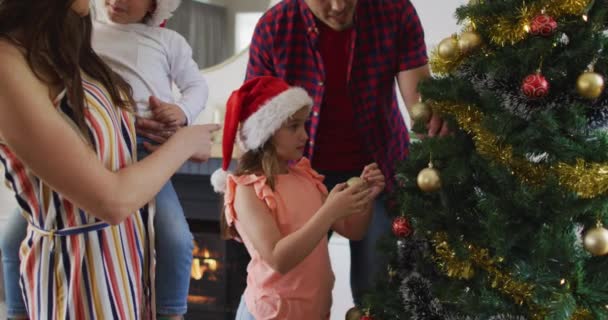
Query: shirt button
{"points": [[315, 114], [321, 83]]}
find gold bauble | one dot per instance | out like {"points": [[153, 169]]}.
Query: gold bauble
{"points": [[421, 112], [429, 180], [448, 48], [392, 273], [596, 241], [469, 41], [354, 181], [353, 314], [590, 85]]}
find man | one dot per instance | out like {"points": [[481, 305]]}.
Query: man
{"points": [[347, 54]]}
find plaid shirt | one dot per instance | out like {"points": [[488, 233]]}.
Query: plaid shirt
{"points": [[388, 38]]}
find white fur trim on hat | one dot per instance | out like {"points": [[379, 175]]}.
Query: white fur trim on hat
{"points": [[262, 124], [164, 10], [218, 180]]}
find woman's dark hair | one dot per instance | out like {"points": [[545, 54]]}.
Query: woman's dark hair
{"points": [[262, 161], [57, 47]]}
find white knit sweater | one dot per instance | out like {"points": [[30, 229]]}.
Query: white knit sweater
{"points": [[151, 60]]}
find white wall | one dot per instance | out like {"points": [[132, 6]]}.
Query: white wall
{"points": [[437, 18]]}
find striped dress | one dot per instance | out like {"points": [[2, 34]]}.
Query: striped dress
{"points": [[74, 266]]}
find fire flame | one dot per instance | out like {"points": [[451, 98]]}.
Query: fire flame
{"points": [[200, 266]]}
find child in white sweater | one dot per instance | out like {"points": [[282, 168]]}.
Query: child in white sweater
{"points": [[151, 59]]}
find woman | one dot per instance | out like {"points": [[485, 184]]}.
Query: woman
{"points": [[67, 142]]}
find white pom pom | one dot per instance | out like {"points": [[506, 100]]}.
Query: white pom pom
{"points": [[164, 10], [218, 180]]}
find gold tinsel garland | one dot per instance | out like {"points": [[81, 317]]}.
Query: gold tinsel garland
{"points": [[587, 180], [520, 292], [452, 266], [446, 258], [505, 30], [581, 314], [563, 7]]}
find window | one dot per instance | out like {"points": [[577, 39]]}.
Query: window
{"points": [[244, 24]]}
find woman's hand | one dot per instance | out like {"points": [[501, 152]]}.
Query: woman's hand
{"points": [[199, 136]]}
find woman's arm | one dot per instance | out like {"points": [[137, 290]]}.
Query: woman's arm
{"points": [[45, 142]]}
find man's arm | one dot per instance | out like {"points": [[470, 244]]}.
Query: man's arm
{"points": [[408, 84], [413, 66], [260, 52], [408, 87]]}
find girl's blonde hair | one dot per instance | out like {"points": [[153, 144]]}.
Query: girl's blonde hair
{"points": [[262, 161]]}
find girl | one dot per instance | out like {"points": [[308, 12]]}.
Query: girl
{"points": [[67, 143], [282, 212]]}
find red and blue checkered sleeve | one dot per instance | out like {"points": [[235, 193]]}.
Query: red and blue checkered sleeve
{"points": [[412, 48], [260, 60]]}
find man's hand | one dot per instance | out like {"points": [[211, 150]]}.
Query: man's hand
{"points": [[408, 86], [437, 127]]}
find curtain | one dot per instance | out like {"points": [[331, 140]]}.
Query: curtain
{"points": [[205, 28]]}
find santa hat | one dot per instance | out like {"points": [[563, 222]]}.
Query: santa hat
{"points": [[261, 106], [164, 10]]}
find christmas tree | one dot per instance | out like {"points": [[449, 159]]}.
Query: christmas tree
{"points": [[504, 219]]}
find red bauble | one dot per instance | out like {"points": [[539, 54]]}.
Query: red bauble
{"points": [[543, 25], [367, 318], [401, 227], [535, 86]]}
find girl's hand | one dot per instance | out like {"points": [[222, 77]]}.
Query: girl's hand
{"points": [[343, 200], [374, 178]]}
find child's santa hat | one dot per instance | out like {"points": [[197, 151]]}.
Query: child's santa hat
{"points": [[260, 106], [164, 10]]}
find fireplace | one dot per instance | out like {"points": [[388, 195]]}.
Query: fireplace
{"points": [[218, 274], [219, 267], [207, 274]]}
